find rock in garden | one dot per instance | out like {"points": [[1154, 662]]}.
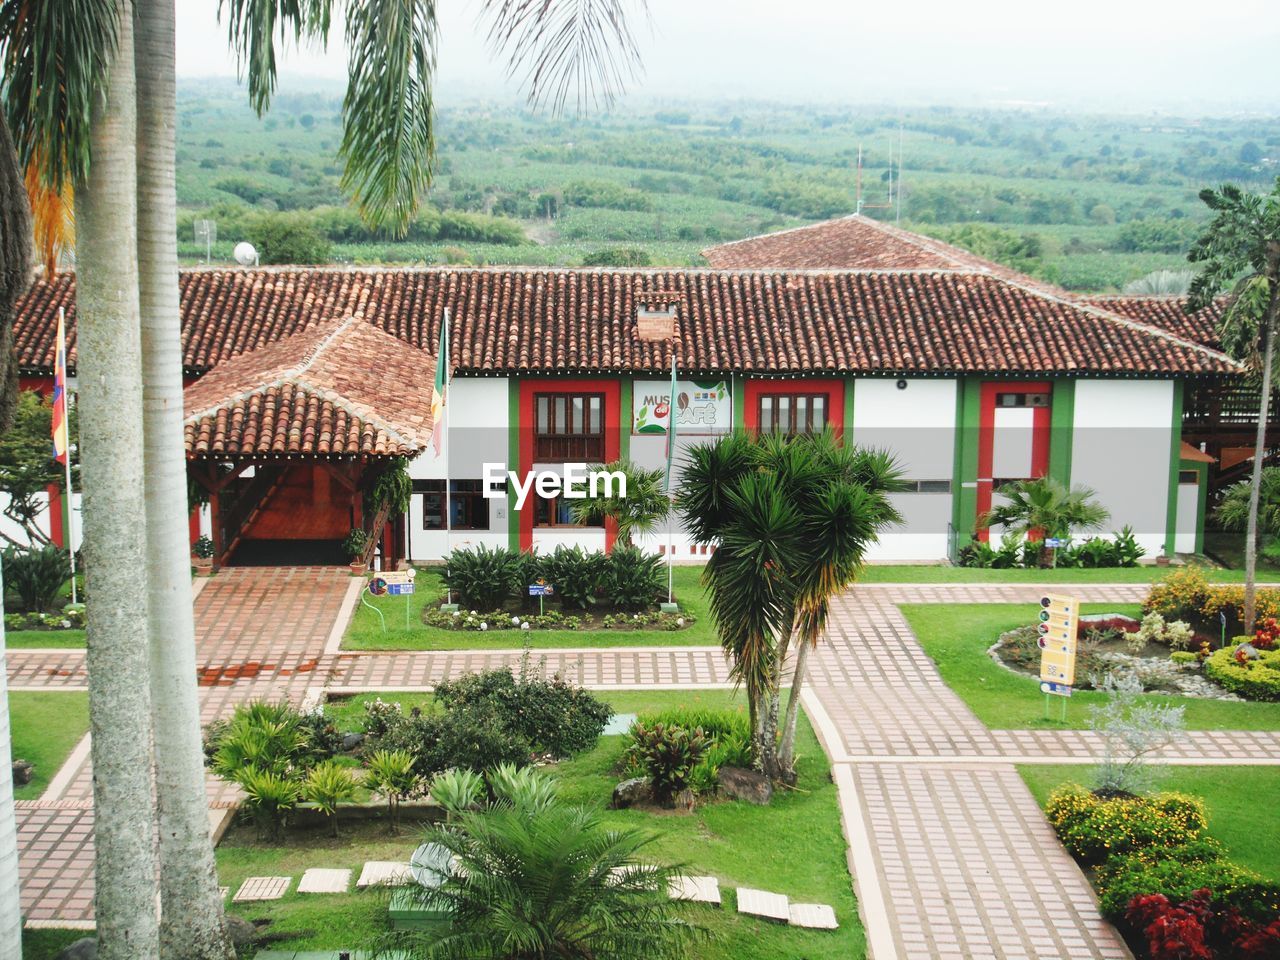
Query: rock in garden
{"points": [[85, 948], [630, 792], [1248, 651], [747, 785], [352, 740], [241, 931], [23, 771]]}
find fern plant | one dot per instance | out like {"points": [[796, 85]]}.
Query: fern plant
{"points": [[329, 785], [391, 775], [270, 798]]}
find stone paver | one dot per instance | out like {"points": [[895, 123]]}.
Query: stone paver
{"points": [[762, 903], [324, 880], [262, 888], [816, 916], [384, 873], [697, 889]]}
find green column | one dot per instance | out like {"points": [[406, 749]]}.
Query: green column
{"points": [[739, 385], [513, 459], [1175, 464], [624, 419], [1202, 497], [849, 383], [1062, 429], [964, 499]]}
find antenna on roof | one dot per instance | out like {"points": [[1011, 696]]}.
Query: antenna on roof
{"points": [[857, 207], [206, 232], [897, 217]]}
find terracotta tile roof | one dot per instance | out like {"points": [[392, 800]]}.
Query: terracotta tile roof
{"points": [[1168, 313], [543, 320], [340, 388], [855, 242]]}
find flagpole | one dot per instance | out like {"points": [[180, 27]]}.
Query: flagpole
{"points": [[448, 483], [66, 427], [671, 455]]}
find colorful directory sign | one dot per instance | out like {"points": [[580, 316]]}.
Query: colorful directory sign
{"points": [[1059, 623]]}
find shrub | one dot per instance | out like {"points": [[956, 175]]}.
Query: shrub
{"points": [[202, 548], [329, 785], [728, 735], [1177, 879], [1131, 729], [667, 755], [482, 578], [1093, 828], [36, 575], [1187, 595], [555, 717], [269, 798], [390, 775], [323, 738], [457, 790], [1183, 656], [1252, 679], [633, 579], [380, 715], [577, 575], [521, 787], [1266, 634], [474, 738], [264, 737]]}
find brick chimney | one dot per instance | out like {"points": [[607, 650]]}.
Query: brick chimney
{"points": [[656, 313]]}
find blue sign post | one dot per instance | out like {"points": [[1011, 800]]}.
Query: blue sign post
{"points": [[541, 589]]}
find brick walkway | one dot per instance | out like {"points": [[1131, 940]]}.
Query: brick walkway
{"points": [[951, 855]]}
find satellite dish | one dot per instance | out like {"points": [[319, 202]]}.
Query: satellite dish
{"points": [[245, 253]]}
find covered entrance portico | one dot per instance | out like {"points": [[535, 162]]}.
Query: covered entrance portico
{"points": [[284, 443]]}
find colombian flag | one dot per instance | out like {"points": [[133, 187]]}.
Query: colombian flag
{"points": [[60, 396], [438, 395]]}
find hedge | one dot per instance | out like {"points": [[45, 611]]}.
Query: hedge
{"points": [[1092, 828], [1253, 679]]}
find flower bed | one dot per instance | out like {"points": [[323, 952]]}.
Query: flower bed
{"points": [[1252, 679], [71, 618], [1187, 595], [555, 620]]}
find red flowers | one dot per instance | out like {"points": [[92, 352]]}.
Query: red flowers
{"points": [[1267, 634], [1196, 929]]}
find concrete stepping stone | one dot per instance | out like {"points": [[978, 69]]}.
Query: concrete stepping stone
{"points": [[697, 889], [816, 916], [262, 888], [384, 873], [761, 903], [322, 880]]}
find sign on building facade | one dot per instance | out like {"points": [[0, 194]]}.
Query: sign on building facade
{"points": [[702, 407]]}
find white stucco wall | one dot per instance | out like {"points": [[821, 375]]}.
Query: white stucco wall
{"points": [[917, 425], [1188, 505], [1121, 440], [15, 531]]}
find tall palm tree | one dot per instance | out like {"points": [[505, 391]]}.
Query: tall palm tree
{"points": [[192, 924], [1240, 251], [15, 275], [792, 519], [111, 436]]}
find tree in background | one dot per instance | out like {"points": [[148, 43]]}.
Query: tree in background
{"points": [[27, 467], [1233, 509], [1240, 252], [640, 511]]}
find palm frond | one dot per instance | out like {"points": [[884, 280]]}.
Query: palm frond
{"points": [[388, 141], [563, 50], [254, 27]]}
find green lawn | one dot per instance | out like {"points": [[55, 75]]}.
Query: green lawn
{"points": [[365, 631], [1231, 794], [45, 727], [957, 636], [46, 944], [793, 846], [942, 573], [43, 639]]}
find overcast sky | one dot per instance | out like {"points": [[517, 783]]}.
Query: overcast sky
{"points": [[1118, 55]]}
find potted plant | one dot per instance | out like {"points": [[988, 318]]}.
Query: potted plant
{"points": [[202, 556], [354, 546]]}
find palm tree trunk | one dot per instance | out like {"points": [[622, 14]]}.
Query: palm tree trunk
{"points": [[787, 749], [110, 406], [191, 919], [1259, 454], [10, 901]]}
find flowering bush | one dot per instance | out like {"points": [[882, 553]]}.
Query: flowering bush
{"points": [[1252, 679], [1267, 633], [1187, 595], [1093, 828], [1177, 872], [1200, 928], [552, 620]]}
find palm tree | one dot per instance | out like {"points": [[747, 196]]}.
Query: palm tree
{"points": [[550, 881], [1161, 283], [15, 275], [1240, 250], [192, 923], [1047, 506], [1233, 509], [111, 434], [792, 518], [640, 511]]}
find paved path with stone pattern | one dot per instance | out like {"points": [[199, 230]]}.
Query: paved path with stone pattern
{"points": [[952, 856]]}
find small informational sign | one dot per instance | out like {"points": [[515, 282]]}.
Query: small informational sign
{"points": [[701, 407], [1055, 542], [400, 589], [541, 590], [1059, 623]]}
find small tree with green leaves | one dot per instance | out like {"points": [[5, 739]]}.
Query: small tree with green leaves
{"points": [[1240, 253], [645, 505], [391, 775], [329, 785]]}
